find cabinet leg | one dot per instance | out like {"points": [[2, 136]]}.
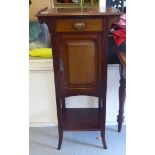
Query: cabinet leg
{"points": [[60, 126], [63, 104], [60, 138], [103, 118], [99, 102], [122, 95], [103, 139]]}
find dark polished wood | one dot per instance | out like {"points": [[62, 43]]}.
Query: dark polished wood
{"points": [[82, 119], [122, 89], [79, 44], [68, 24]]}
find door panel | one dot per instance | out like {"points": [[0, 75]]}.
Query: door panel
{"points": [[82, 61]]}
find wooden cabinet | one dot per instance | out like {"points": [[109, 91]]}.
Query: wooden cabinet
{"points": [[79, 43]]}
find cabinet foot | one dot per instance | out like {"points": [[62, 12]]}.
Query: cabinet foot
{"points": [[120, 120], [103, 139], [60, 139]]}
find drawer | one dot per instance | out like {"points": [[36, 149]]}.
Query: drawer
{"points": [[74, 25]]}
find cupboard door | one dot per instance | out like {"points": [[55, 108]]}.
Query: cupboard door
{"points": [[80, 60]]}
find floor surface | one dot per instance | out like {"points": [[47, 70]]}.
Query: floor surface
{"points": [[43, 141]]}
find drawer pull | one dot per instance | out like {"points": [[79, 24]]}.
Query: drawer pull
{"points": [[79, 26]]}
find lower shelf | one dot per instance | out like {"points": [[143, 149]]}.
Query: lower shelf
{"points": [[81, 119]]}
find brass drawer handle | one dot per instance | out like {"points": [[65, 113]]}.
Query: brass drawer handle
{"points": [[79, 26]]}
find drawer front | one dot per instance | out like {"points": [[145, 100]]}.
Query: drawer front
{"points": [[75, 25]]}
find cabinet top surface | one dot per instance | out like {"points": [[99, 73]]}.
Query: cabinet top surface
{"points": [[79, 12]]}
